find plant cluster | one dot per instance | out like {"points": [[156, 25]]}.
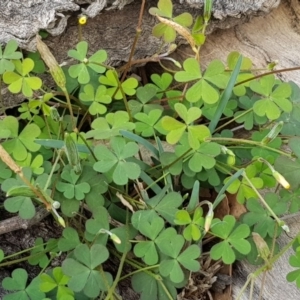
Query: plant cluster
{"points": [[79, 151]]}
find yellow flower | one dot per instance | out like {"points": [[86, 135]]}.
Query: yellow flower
{"points": [[82, 19]]}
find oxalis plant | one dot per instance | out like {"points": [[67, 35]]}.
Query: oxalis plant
{"points": [[124, 167]]}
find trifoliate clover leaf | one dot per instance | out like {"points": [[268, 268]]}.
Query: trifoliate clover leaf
{"points": [[20, 81], [234, 237], [176, 129], [147, 123], [81, 70], [115, 161], [8, 55], [42, 104], [19, 144], [105, 128], [203, 157], [56, 281], [150, 225], [162, 82], [114, 90], [145, 94], [246, 115], [82, 270], [202, 89], [194, 225], [166, 205], [259, 217], [70, 185], [95, 99], [39, 252], [165, 9], [18, 283], [242, 187], [26, 112], [170, 243], [275, 97]]}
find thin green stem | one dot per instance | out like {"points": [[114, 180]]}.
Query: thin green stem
{"points": [[86, 144], [138, 271], [123, 95], [122, 261], [266, 266], [254, 143], [280, 222], [233, 119], [53, 169]]}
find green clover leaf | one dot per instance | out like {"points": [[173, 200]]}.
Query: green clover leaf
{"points": [[111, 79], [170, 243], [263, 222], [17, 282], [71, 187], [194, 225], [35, 163], [147, 123], [81, 70], [82, 270], [42, 104], [275, 97], [39, 252], [203, 157], [8, 55], [115, 161], [95, 98], [203, 88], [242, 188], [19, 144], [150, 225], [57, 281], [233, 237], [165, 9], [26, 112], [166, 205], [176, 129], [144, 94], [105, 128], [247, 115], [20, 81]]}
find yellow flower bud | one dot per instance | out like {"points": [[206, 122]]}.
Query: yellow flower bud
{"points": [[82, 20], [281, 180]]}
